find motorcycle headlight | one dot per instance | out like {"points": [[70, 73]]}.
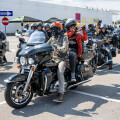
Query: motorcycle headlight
{"points": [[22, 61], [31, 61]]}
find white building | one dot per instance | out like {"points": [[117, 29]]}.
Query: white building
{"points": [[44, 11]]}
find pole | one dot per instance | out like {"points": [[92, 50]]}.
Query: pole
{"points": [[5, 30]]}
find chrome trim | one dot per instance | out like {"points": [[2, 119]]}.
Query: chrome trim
{"points": [[45, 84], [28, 80], [79, 83], [6, 81], [22, 71]]}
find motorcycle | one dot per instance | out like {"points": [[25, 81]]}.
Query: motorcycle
{"points": [[116, 39], [3, 45], [39, 72], [22, 42], [102, 51]]}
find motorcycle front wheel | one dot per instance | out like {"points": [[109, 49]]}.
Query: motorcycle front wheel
{"points": [[15, 97]]}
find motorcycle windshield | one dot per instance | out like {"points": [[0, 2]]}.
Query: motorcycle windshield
{"points": [[28, 33], [37, 37]]}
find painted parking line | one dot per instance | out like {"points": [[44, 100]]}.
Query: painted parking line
{"points": [[1, 103], [96, 96], [12, 50]]}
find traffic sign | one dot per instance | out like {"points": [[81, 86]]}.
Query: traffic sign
{"points": [[5, 21], [6, 13]]}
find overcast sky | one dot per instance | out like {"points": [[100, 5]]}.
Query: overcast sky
{"points": [[104, 4]]}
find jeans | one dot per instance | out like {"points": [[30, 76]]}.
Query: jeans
{"points": [[72, 58], [109, 53], [61, 79]]}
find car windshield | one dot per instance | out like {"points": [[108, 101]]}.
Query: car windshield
{"points": [[37, 37]]}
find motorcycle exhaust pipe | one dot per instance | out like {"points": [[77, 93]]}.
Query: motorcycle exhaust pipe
{"points": [[80, 83]]}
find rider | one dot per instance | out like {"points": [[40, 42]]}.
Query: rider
{"points": [[33, 27], [60, 44], [39, 27], [91, 30], [75, 45], [102, 33], [26, 26], [47, 30]]}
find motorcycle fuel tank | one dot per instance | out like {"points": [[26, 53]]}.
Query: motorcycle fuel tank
{"points": [[34, 49]]}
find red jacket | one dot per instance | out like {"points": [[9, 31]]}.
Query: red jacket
{"points": [[79, 38]]}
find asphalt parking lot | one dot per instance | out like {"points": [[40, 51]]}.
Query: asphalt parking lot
{"points": [[98, 99]]}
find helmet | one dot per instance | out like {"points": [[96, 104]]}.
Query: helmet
{"points": [[70, 22], [57, 26], [26, 25], [46, 25], [91, 25], [39, 24], [104, 26], [33, 25]]}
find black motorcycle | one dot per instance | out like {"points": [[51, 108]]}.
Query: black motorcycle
{"points": [[3, 59], [39, 72], [116, 38], [102, 51]]}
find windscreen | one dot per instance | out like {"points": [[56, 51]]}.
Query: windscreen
{"points": [[37, 37]]}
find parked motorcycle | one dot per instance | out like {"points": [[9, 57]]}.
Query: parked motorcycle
{"points": [[3, 45], [39, 73]]}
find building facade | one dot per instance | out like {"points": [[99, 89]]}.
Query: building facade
{"points": [[44, 11]]}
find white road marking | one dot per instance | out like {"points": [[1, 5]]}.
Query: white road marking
{"points": [[96, 96], [12, 50], [2, 102]]}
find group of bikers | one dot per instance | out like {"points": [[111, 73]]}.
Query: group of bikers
{"points": [[68, 40]]}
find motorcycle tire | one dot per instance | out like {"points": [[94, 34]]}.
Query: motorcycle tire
{"points": [[7, 95]]}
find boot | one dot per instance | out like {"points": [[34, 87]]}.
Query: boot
{"points": [[73, 79], [110, 66], [59, 98]]}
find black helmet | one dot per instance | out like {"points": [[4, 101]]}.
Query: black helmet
{"points": [[26, 25], [91, 25], [47, 25], [104, 26], [39, 24], [70, 22]]}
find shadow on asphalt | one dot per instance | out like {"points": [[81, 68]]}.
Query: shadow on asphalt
{"points": [[68, 107], [3, 76], [104, 70], [71, 102], [8, 66]]}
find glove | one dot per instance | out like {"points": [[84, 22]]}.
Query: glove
{"points": [[99, 22], [83, 27], [79, 58]]}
